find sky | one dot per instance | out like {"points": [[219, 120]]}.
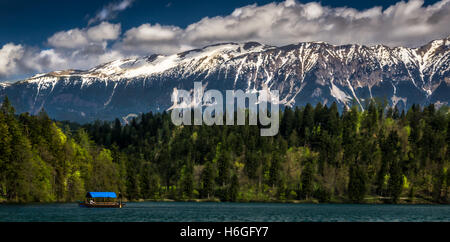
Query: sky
{"points": [[48, 35]]}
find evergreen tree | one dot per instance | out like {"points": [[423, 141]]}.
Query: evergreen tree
{"points": [[307, 186], [234, 189], [318, 154], [357, 186], [395, 186], [208, 177]]}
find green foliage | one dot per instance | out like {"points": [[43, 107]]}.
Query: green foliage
{"points": [[234, 189], [320, 155], [207, 180], [395, 185], [357, 186], [307, 179], [41, 163]]}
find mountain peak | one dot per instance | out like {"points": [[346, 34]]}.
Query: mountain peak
{"points": [[307, 72], [251, 45]]}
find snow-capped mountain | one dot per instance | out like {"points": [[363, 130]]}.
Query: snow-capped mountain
{"points": [[303, 73]]}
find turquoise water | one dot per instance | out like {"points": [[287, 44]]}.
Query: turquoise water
{"points": [[225, 212]]}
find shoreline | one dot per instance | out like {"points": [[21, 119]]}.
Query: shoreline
{"points": [[315, 202]]}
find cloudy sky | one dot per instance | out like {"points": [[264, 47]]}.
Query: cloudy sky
{"points": [[48, 35]]}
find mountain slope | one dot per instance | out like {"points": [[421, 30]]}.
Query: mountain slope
{"points": [[306, 72]]}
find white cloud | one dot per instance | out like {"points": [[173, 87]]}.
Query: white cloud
{"points": [[76, 38], [45, 59], [10, 55], [405, 23], [148, 33], [71, 49], [313, 10], [408, 24], [149, 38], [73, 38], [18, 59], [109, 56], [110, 11], [104, 31]]}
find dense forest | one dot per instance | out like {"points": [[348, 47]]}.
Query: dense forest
{"points": [[377, 155]]}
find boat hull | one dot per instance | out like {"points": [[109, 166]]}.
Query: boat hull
{"points": [[110, 205]]}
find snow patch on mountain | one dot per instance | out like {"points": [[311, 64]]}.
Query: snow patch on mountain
{"points": [[304, 72], [340, 95]]}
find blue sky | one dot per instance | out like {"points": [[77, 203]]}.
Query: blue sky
{"points": [[32, 22], [46, 35]]}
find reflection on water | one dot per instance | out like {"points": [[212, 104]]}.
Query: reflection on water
{"points": [[225, 212]]}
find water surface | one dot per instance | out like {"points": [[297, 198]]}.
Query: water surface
{"points": [[226, 212]]}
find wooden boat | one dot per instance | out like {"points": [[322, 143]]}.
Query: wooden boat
{"points": [[102, 205], [101, 200]]}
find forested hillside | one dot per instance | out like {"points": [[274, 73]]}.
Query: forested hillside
{"points": [[39, 162], [377, 155]]}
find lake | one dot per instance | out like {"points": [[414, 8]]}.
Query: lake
{"points": [[225, 212]]}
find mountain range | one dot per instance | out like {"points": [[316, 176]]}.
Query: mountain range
{"points": [[309, 72]]}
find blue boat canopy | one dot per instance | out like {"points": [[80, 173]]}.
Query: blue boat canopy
{"points": [[101, 195]]}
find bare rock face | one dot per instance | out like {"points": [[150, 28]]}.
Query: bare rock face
{"points": [[303, 73]]}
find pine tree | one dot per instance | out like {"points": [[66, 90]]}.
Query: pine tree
{"points": [[357, 186], [395, 185], [224, 167], [274, 173], [208, 177], [308, 123], [234, 189], [6, 108], [187, 180], [307, 186]]}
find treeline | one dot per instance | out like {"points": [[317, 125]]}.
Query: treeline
{"points": [[376, 155], [380, 154], [39, 162]]}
